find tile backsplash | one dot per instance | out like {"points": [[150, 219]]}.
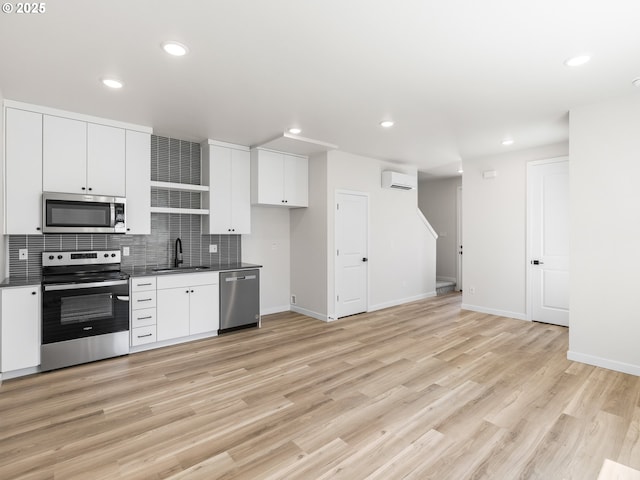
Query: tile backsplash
{"points": [[171, 161]]}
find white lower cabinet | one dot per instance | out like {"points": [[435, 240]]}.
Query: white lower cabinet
{"points": [[20, 317], [187, 304], [143, 310]]}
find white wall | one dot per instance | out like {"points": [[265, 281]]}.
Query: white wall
{"points": [[309, 244], [4, 252], [604, 322], [269, 245], [401, 249], [437, 200], [494, 226]]}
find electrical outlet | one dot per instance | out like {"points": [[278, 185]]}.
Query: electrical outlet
{"points": [[125, 251], [213, 248], [23, 254], [293, 299], [472, 290]]}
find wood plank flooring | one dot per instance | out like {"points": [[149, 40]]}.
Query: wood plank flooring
{"points": [[420, 391]]}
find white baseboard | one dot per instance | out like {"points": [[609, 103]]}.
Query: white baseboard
{"points": [[604, 363], [492, 311], [278, 309], [309, 313], [401, 301]]}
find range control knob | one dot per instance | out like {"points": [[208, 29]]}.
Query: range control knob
{"points": [[106, 255], [50, 257], [113, 254], [59, 257]]}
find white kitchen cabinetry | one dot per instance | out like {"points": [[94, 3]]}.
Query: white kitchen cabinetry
{"points": [[226, 170], [81, 157], [138, 185], [187, 304], [23, 208], [143, 310], [20, 317], [279, 178]]}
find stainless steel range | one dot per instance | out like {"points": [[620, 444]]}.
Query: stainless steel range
{"points": [[85, 308]]}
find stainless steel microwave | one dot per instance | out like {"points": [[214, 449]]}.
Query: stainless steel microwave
{"points": [[78, 213]]}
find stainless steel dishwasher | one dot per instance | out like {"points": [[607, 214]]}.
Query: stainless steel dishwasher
{"points": [[239, 300]]}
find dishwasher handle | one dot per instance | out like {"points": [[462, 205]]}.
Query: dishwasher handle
{"points": [[238, 279]]}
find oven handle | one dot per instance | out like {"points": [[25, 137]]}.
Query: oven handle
{"points": [[78, 286], [122, 298]]}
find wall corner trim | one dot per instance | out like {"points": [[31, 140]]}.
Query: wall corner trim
{"points": [[309, 313]]}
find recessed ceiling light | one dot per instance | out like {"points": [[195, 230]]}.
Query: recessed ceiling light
{"points": [[386, 123], [636, 82], [295, 130], [507, 142], [174, 48], [112, 82], [577, 61]]}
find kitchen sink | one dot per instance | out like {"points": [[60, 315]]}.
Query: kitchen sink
{"points": [[180, 269]]}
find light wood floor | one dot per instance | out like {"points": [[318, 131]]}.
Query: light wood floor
{"points": [[420, 391]]}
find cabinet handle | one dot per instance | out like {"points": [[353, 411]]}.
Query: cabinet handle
{"points": [[33, 293], [186, 291], [145, 318], [191, 291], [147, 335], [145, 299], [83, 188], [143, 284], [90, 188], [38, 228]]}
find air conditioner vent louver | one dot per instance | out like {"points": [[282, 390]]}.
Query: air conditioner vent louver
{"points": [[399, 181]]}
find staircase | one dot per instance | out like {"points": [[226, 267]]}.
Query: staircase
{"points": [[445, 286]]}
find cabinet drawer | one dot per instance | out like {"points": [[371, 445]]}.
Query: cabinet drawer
{"points": [[187, 280], [143, 300], [141, 284], [142, 335], [143, 317]]}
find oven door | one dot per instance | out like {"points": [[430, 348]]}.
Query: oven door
{"points": [[80, 310]]}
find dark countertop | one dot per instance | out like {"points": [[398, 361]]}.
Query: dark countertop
{"points": [[222, 267]]}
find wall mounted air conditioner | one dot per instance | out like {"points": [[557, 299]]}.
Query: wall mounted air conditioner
{"points": [[398, 180]]}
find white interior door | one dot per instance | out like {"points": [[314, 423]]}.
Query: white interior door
{"points": [[548, 225], [351, 231]]}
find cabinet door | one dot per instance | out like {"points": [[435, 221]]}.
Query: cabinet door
{"points": [[20, 328], [270, 178], [204, 309], [64, 155], [220, 190], [23, 172], [105, 160], [296, 181], [172, 313], [240, 191], [138, 186]]}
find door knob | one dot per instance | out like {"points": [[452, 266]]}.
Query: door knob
{"points": [[537, 262], [365, 259]]}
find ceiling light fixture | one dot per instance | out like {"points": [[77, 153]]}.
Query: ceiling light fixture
{"points": [[636, 82], [174, 48], [460, 170], [112, 83], [507, 141], [577, 61], [295, 130], [386, 123]]}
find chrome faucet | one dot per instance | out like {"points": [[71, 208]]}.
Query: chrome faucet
{"points": [[178, 259]]}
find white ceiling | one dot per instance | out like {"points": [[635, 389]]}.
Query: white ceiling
{"points": [[457, 76]]}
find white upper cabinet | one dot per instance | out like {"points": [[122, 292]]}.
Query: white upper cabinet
{"points": [[106, 160], [81, 157], [138, 189], [23, 207], [226, 170], [64, 155], [279, 178]]}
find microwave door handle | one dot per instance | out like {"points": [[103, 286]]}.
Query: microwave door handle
{"points": [[113, 215]]}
